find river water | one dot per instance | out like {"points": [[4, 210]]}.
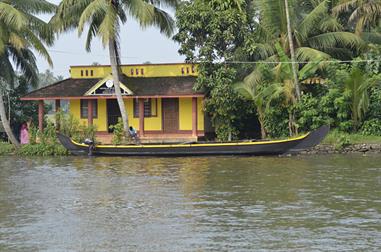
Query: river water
{"points": [[307, 203]]}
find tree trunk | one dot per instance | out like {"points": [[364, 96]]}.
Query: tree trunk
{"points": [[261, 120], [292, 51], [290, 123], [115, 75], [7, 127]]}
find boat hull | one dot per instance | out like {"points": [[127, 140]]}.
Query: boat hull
{"points": [[241, 148]]}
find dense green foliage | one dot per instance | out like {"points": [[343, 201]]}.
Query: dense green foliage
{"points": [[6, 148], [118, 136], [336, 45], [22, 33], [46, 143]]}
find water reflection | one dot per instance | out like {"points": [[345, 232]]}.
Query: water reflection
{"points": [[190, 204]]}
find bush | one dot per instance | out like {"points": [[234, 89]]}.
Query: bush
{"points": [[70, 126], [371, 127], [6, 148], [118, 132], [338, 139], [40, 149], [309, 113], [46, 143]]}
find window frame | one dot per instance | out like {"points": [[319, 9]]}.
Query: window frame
{"points": [[146, 101], [84, 108]]}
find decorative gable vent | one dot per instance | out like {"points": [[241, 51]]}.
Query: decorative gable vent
{"points": [[106, 87]]}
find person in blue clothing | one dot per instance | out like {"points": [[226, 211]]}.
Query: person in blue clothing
{"points": [[133, 133]]}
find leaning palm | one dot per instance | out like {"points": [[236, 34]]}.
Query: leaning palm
{"points": [[104, 19], [20, 33]]}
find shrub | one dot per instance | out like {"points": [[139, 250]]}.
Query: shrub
{"points": [[40, 149], [338, 139], [371, 127], [118, 132], [6, 148]]}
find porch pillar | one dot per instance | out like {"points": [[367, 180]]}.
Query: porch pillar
{"points": [[141, 117], [90, 105], [58, 109], [194, 116], [41, 115]]}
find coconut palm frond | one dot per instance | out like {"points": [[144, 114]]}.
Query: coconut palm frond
{"points": [[333, 39], [331, 24], [10, 16], [34, 6], [313, 18], [95, 8], [110, 26], [310, 54]]}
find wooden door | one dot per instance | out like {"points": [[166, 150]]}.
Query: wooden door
{"points": [[170, 115]]}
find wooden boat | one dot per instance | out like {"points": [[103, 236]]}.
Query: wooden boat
{"points": [[276, 147]]}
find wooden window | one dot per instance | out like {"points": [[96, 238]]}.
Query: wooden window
{"points": [[91, 72], [87, 72], [137, 71], [81, 72], [132, 71], [150, 108], [84, 108], [142, 71]]}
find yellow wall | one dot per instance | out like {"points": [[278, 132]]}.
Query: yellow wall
{"points": [[100, 122], [185, 114], [149, 70], [150, 123]]}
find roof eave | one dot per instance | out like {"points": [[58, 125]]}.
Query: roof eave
{"points": [[104, 97]]}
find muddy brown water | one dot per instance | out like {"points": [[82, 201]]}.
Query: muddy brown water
{"points": [[307, 203]]}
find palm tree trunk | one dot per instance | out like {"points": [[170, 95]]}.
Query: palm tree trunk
{"points": [[115, 74], [292, 51], [290, 124], [4, 120], [262, 124]]}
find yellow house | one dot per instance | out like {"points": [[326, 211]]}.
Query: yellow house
{"points": [[159, 99]]}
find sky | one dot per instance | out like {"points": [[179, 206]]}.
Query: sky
{"points": [[137, 46]]}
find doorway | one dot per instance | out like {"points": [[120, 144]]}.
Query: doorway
{"points": [[113, 113]]}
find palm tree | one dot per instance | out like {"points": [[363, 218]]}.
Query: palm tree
{"points": [[364, 14], [264, 86], [357, 85], [315, 33], [251, 89], [21, 32], [292, 50], [104, 19]]}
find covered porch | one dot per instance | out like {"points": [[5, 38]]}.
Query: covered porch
{"points": [[169, 113]]}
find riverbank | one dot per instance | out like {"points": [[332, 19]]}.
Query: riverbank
{"points": [[353, 148], [334, 143]]}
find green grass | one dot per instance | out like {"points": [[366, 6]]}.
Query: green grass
{"points": [[335, 136], [6, 148]]}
